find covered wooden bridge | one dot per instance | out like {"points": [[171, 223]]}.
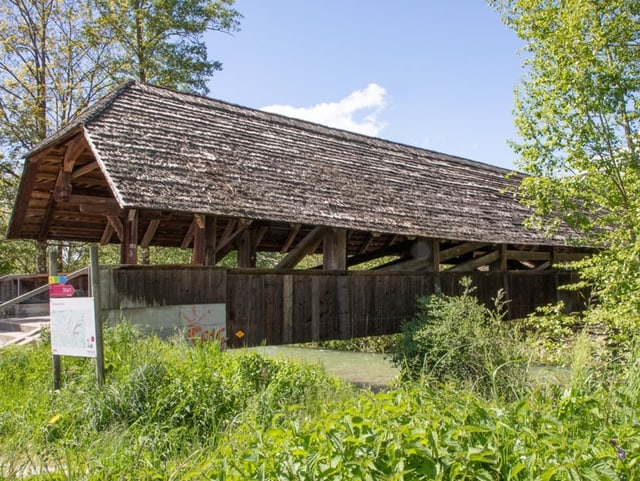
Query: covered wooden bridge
{"points": [[147, 166]]}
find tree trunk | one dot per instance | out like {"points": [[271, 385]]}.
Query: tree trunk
{"points": [[41, 258]]}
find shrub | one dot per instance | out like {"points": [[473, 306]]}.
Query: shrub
{"points": [[457, 339]]}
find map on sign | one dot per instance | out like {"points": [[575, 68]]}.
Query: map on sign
{"points": [[73, 330]]}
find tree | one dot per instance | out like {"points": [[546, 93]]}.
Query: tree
{"points": [[577, 112], [57, 56], [47, 75], [161, 41]]}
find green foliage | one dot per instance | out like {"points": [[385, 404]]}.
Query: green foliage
{"points": [[161, 42], [456, 339], [550, 330], [58, 56], [578, 117], [174, 411]]}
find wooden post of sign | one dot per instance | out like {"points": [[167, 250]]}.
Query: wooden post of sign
{"points": [[95, 293], [55, 359]]}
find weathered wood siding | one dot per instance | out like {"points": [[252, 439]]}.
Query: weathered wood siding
{"points": [[297, 306]]}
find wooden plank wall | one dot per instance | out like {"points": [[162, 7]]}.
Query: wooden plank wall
{"points": [[281, 307]]}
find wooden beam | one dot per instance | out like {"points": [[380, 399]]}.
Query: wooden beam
{"points": [[262, 231], [188, 237], [150, 233], [435, 255], [501, 263], [227, 240], [107, 234], [295, 228], [62, 187], [47, 220], [528, 255], [424, 255], [473, 264], [100, 209], [365, 244], [334, 250], [116, 223], [84, 170], [92, 200], [460, 250], [228, 232], [407, 265], [306, 246], [129, 245], [392, 240], [383, 251], [210, 240], [27, 183], [198, 240], [74, 149], [247, 248]]}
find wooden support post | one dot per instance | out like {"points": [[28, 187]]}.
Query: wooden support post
{"points": [[210, 226], [421, 248], [55, 359], [95, 293], [129, 243], [501, 263], [199, 239], [503, 257], [334, 251], [247, 248], [287, 309], [435, 255]]}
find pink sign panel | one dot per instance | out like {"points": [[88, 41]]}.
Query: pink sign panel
{"points": [[61, 290]]}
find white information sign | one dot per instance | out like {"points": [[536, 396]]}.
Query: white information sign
{"points": [[73, 327]]}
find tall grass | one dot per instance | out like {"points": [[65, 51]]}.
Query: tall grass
{"points": [[174, 411]]}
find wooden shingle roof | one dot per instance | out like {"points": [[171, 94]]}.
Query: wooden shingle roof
{"points": [[164, 151]]}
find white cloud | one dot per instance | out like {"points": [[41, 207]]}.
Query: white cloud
{"points": [[357, 112]]}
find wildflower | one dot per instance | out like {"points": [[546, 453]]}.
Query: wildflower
{"points": [[55, 419]]}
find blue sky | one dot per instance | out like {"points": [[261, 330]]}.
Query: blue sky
{"points": [[429, 73]]}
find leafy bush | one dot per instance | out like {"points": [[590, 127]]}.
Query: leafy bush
{"points": [[456, 339], [174, 411]]}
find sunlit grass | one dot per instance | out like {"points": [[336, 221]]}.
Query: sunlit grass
{"points": [[174, 411]]}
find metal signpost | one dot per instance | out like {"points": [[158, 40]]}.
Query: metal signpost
{"points": [[76, 328]]}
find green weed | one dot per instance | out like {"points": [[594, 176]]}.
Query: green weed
{"points": [[173, 411]]}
